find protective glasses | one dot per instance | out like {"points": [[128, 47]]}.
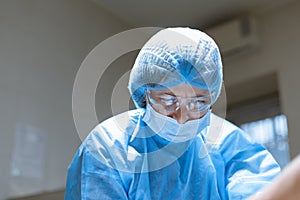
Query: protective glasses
{"points": [[171, 104]]}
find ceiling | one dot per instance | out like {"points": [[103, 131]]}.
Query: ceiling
{"points": [[194, 13]]}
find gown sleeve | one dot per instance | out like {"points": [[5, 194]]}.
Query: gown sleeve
{"points": [[90, 179], [249, 166]]}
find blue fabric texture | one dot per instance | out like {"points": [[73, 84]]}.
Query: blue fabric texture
{"points": [[116, 162], [174, 56]]}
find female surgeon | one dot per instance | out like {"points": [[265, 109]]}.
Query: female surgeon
{"points": [[172, 146]]}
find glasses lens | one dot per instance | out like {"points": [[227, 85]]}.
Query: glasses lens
{"points": [[198, 104], [163, 102], [171, 103]]}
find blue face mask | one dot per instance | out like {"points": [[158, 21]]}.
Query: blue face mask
{"points": [[169, 129]]}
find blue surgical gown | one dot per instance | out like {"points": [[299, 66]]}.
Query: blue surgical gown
{"points": [[226, 165]]}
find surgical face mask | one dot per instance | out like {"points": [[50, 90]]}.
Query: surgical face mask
{"points": [[169, 129]]}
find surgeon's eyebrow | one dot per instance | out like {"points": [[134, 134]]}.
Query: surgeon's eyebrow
{"points": [[198, 94], [168, 93], [161, 92], [201, 96]]}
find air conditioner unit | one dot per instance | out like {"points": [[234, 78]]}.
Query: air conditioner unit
{"points": [[236, 36]]}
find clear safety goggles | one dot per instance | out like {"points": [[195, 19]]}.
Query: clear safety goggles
{"points": [[171, 104]]}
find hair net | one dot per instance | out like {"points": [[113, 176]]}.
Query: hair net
{"points": [[174, 56]]}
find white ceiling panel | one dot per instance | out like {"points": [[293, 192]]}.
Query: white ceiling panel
{"points": [[193, 13]]}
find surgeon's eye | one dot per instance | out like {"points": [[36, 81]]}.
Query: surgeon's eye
{"points": [[168, 100], [198, 103]]}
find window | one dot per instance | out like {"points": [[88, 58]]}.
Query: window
{"points": [[273, 134], [254, 105]]}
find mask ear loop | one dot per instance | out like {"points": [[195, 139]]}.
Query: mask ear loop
{"points": [[147, 98]]}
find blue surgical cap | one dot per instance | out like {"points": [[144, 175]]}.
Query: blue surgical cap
{"points": [[174, 56]]}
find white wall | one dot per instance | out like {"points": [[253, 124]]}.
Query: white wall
{"points": [[279, 52], [42, 44]]}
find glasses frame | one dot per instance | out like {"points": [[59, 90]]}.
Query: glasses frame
{"points": [[179, 103]]}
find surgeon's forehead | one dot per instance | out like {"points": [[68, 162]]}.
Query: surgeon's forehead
{"points": [[184, 90]]}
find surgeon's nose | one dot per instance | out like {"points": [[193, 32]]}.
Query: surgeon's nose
{"points": [[181, 115]]}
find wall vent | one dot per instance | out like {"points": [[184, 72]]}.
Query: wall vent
{"points": [[236, 36]]}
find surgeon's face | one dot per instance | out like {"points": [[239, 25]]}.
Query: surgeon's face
{"points": [[182, 103]]}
